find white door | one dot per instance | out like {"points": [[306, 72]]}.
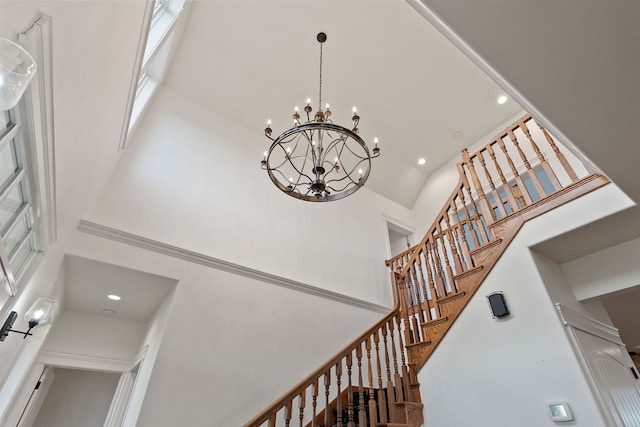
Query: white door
{"points": [[614, 373]]}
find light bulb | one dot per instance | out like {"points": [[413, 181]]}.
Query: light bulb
{"points": [[288, 149], [336, 160], [265, 155], [269, 122], [327, 106], [355, 110], [360, 172], [295, 109], [308, 101], [313, 143], [502, 99], [421, 161], [37, 315], [375, 142], [290, 179]]}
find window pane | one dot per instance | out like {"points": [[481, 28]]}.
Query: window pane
{"points": [[4, 121], [22, 257], [17, 234], [10, 205], [8, 163]]}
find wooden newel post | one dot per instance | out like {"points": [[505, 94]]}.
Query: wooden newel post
{"points": [[482, 199]]}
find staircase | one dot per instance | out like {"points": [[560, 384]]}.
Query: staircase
{"points": [[373, 381]]}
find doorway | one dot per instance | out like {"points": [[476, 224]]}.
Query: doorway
{"points": [[71, 398]]}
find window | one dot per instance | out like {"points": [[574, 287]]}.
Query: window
{"points": [[18, 228], [162, 29]]}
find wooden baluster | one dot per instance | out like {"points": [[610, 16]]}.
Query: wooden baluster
{"points": [[461, 237], [416, 275], [543, 162], [314, 402], [484, 205], [432, 287], [350, 419], [373, 419], [362, 415], [381, 405], [507, 188], [530, 171], [272, 420], [494, 192], [426, 302], [476, 220], [445, 256], [518, 195], [387, 329], [416, 318], [403, 366], [302, 397], [327, 385], [514, 170], [563, 160], [453, 244], [437, 269], [288, 413], [339, 398], [468, 219]]}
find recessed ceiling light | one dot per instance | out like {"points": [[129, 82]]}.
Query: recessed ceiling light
{"points": [[421, 162], [108, 311], [457, 134], [114, 297], [502, 99]]}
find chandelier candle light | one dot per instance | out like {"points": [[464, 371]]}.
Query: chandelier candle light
{"points": [[317, 160]]}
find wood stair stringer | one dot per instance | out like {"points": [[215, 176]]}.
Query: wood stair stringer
{"points": [[486, 258]]}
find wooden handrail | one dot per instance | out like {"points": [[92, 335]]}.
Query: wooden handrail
{"points": [[309, 381]]}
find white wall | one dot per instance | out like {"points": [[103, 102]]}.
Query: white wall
{"points": [[77, 399], [90, 334], [606, 271], [148, 351], [505, 371], [86, 138], [227, 336], [189, 180]]}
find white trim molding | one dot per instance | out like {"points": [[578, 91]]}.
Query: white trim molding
{"points": [[577, 320], [37, 40], [80, 361], [208, 261]]}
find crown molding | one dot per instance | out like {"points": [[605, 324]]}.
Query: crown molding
{"points": [[218, 264]]}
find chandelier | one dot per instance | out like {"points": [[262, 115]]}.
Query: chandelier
{"points": [[317, 160]]}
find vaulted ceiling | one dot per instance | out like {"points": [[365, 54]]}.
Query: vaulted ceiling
{"points": [[256, 60]]}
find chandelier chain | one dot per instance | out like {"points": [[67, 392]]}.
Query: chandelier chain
{"points": [[320, 91]]}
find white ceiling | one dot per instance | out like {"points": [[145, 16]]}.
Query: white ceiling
{"points": [[88, 283], [256, 60]]}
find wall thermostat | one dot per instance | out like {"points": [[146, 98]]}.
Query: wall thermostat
{"points": [[560, 411]]}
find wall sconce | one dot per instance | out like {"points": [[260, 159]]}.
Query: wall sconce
{"points": [[38, 314], [17, 68]]}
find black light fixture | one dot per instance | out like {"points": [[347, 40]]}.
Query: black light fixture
{"points": [[38, 314], [317, 160]]}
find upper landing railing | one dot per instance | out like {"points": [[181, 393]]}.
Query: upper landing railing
{"points": [[520, 167]]}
